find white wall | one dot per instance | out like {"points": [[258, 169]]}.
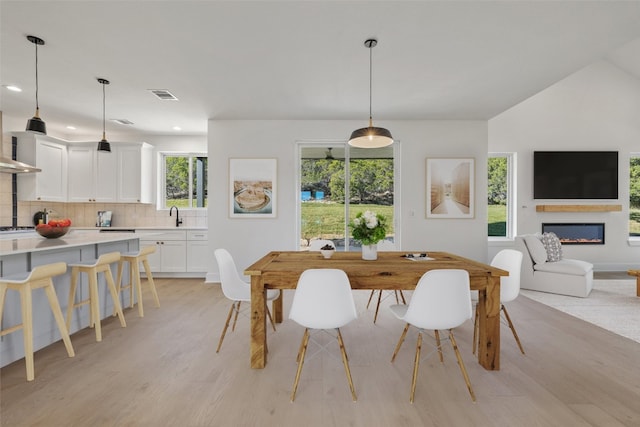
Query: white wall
{"points": [[597, 108], [250, 239]]}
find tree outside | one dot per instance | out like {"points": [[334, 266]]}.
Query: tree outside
{"points": [[497, 196]]}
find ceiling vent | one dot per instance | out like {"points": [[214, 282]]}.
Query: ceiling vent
{"points": [[163, 94], [122, 121]]}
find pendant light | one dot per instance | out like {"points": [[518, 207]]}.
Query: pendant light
{"points": [[103, 145], [370, 137], [35, 124]]}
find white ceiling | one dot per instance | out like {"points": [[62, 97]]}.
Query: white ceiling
{"points": [[296, 59]]}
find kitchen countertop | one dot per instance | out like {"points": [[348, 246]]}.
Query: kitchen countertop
{"points": [[33, 242], [143, 228]]}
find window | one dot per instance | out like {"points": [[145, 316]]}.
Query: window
{"points": [[335, 183], [184, 180], [500, 195], [634, 194]]}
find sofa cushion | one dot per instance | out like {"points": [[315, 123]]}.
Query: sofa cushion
{"points": [[553, 246], [566, 266], [536, 249]]}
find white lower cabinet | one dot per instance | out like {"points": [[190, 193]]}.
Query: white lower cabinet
{"points": [[197, 251], [177, 251]]}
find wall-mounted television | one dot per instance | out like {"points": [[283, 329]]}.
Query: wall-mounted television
{"points": [[575, 174]]}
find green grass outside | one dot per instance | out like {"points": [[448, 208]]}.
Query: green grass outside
{"points": [[634, 221], [497, 220], [326, 220]]}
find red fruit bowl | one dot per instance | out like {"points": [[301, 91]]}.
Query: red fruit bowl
{"points": [[52, 232]]}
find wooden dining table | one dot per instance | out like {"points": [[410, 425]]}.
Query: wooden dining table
{"points": [[391, 271]]}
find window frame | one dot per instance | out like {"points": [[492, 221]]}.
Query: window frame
{"points": [[162, 177]]}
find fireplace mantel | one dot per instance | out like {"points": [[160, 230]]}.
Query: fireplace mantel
{"points": [[578, 208]]}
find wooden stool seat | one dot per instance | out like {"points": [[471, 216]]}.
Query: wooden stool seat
{"points": [[134, 259], [39, 277], [92, 268]]}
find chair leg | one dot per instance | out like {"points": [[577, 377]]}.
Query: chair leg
{"points": [[226, 325], [416, 364], [375, 316], [3, 295], [395, 292], [303, 350], [114, 295], [134, 272], [345, 362], [57, 314], [402, 297], [235, 319], [437, 334], [94, 316], [476, 329], [513, 329], [370, 297], [462, 367], [273, 325], [72, 295], [400, 341], [147, 270], [119, 281], [27, 329]]}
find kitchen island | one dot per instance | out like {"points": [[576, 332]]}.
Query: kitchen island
{"points": [[22, 252]]}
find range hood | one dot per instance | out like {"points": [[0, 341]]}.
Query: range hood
{"points": [[10, 165], [13, 166]]}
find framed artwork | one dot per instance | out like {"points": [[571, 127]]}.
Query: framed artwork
{"points": [[252, 188], [450, 184]]}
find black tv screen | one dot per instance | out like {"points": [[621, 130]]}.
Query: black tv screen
{"points": [[575, 175]]}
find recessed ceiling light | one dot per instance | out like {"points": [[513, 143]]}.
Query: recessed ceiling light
{"points": [[177, 128], [13, 88], [71, 127], [122, 121]]}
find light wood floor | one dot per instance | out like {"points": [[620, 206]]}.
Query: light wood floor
{"points": [[162, 370]]}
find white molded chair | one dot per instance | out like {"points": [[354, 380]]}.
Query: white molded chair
{"points": [[237, 290], [385, 245], [440, 301], [323, 300], [315, 245], [511, 261]]}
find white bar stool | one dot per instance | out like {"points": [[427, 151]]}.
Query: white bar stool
{"points": [[25, 283], [134, 259], [92, 268]]}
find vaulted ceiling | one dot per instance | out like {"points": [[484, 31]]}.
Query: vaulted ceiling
{"points": [[296, 59]]}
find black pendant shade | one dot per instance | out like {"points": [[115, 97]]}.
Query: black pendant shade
{"points": [[103, 145], [370, 137], [36, 124]]}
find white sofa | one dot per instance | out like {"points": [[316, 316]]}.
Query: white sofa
{"points": [[565, 277]]}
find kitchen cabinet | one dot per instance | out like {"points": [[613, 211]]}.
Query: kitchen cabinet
{"points": [[135, 173], [91, 174], [48, 154], [171, 248], [198, 260]]}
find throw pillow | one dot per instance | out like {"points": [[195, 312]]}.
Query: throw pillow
{"points": [[553, 246], [536, 249]]}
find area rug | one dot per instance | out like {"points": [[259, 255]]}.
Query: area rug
{"points": [[612, 305]]}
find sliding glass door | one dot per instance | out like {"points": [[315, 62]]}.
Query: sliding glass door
{"points": [[338, 181]]}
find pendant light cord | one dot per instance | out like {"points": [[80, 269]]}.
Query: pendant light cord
{"points": [[104, 132], [370, 83], [37, 104]]}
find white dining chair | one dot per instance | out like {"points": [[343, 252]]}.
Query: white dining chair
{"points": [[511, 261], [385, 245], [323, 300], [237, 290], [441, 301]]}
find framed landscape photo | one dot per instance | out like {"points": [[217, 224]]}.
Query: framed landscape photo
{"points": [[252, 188], [450, 184]]}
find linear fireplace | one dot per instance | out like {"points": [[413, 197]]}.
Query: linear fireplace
{"points": [[577, 233]]}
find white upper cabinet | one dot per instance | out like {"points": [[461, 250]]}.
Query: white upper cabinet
{"points": [[135, 173], [91, 173], [48, 154]]}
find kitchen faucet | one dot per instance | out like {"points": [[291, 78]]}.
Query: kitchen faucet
{"points": [[178, 220]]}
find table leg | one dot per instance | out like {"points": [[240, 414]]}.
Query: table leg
{"points": [[489, 328], [258, 324], [638, 286]]}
